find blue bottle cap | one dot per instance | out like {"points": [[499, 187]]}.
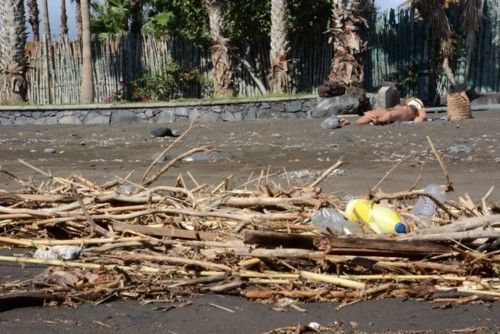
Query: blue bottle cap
{"points": [[400, 228]]}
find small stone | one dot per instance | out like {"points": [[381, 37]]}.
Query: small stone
{"points": [[50, 150], [331, 122], [165, 132]]}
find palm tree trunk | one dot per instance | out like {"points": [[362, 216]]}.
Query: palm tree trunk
{"points": [[346, 26], [64, 20], [472, 22], [78, 11], [433, 12], [222, 73], [87, 86], [46, 22], [280, 46], [34, 19], [135, 15], [13, 59]]}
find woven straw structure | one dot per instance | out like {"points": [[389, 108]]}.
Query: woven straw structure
{"points": [[459, 107]]}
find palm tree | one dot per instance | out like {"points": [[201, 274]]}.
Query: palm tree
{"points": [[348, 44], [64, 20], [222, 73], [135, 9], [280, 46], [46, 22], [34, 19], [78, 13], [87, 85], [435, 13], [13, 59]]}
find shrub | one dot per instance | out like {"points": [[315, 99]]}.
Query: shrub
{"points": [[163, 86]]}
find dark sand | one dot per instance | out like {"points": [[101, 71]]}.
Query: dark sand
{"points": [[101, 152]]}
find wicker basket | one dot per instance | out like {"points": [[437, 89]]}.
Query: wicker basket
{"points": [[458, 106]]}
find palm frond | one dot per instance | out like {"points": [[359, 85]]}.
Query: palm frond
{"points": [[433, 11], [472, 21]]}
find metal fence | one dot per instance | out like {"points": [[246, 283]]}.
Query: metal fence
{"points": [[399, 45]]}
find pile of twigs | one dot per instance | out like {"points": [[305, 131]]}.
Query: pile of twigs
{"points": [[155, 242]]}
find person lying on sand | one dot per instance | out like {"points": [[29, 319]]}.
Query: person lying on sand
{"points": [[413, 110]]}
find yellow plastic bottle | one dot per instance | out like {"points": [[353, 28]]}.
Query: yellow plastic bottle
{"points": [[380, 219]]}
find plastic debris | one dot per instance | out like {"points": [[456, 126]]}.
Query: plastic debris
{"points": [[380, 219], [461, 148], [425, 207], [330, 220], [58, 253]]}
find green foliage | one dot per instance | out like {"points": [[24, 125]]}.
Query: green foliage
{"points": [[406, 80], [160, 87], [246, 20], [109, 17], [185, 18]]}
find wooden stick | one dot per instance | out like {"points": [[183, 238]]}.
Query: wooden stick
{"points": [[461, 236], [346, 245], [199, 280], [148, 182], [460, 226], [86, 265], [347, 283], [95, 228], [244, 202], [486, 209], [97, 241], [389, 173], [449, 183], [171, 259], [326, 173], [190, 127]]}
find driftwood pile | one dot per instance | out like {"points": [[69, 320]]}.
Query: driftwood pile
{"points": [[155, 243]]}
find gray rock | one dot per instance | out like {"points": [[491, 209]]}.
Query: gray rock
{"points": [[181, 111], [209, 117], [208, 156], [22, 120], [50, 150], [387, 97], [338, 105], [166, 116], [266, 113], [228, 116], [250, 114], [294, 106], [165, 132], [123, 116], [70, 119], [331, 122], [96, 118]]}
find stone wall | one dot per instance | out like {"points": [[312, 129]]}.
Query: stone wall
{"points": [[161, 112]]}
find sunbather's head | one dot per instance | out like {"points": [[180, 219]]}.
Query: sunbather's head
{"points": [[415, 103]]}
